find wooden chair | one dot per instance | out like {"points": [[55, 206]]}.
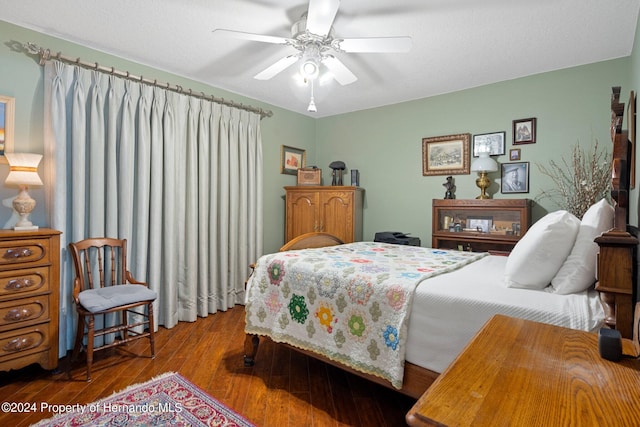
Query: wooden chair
{"points": [[103, 285]]}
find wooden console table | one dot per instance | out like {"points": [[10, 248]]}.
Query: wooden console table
{"points": [[521, 373]]}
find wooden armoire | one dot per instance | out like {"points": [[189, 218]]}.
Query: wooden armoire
{"points": [[331, 209]]}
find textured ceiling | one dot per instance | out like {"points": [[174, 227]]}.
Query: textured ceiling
{"points": [[457, 44]]}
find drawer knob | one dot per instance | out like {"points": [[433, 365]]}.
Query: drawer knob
{"points": [[17, 284], [16, 253], [18, 344], [18, 314]]}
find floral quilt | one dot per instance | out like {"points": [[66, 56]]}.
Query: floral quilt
{"points": [[349, 303]]}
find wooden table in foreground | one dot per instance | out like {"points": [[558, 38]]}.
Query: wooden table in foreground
{"points": [[521, 373]]}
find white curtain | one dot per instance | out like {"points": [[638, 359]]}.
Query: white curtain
{"points": [[179, 177]]}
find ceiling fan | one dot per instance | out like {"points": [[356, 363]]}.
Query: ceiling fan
{"points": [[313, 36]]}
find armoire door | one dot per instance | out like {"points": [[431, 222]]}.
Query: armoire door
{"points": [[336, 214], [301, 213]]}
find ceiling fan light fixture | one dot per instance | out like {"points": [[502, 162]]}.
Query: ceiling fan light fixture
{"points": [[310, 68]]}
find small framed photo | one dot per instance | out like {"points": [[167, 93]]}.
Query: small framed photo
{"points": [[515, 177], [291, 159], [480, 224], [7, 111], [524, 131], [446, 155], [493, 143], [514, 154]]}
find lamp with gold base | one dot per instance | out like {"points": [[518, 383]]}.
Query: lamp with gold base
{"points": [[482, 165], [23, 172]]}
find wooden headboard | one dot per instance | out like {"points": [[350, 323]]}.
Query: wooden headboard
{"points": [[617, 265]]}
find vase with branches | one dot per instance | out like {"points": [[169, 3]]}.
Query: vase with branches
{"points": [[580, 181]]}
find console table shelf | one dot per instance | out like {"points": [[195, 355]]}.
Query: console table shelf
{"points": [[479, 225]]}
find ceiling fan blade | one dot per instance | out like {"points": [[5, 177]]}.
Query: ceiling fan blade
{"points": [[251, 36], [376, 45], [321, 15], [340, 72], [276, 68]]}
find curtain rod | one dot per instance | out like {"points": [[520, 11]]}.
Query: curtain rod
{"points": [[45, 55]]}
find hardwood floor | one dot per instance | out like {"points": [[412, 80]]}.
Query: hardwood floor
{"points": [[284, 388]]}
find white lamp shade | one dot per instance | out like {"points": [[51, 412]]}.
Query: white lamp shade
{"points": [[23, 169], [484, 163]]}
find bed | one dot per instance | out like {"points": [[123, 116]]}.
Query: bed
{"points": [[399, 315]]}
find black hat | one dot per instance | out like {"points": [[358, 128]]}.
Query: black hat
{"points": [[337, 165]]}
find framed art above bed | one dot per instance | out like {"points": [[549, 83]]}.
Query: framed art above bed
{"points": [[524, 131], [446, 155], [493, 142]]}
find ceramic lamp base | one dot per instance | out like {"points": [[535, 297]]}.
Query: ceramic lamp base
{"points": [[24, 204]]}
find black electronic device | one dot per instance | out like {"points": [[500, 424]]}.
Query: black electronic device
{"points": [[610, 344], [396, 238]]}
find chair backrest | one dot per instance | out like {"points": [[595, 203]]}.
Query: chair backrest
{"points": [[98, 262]]}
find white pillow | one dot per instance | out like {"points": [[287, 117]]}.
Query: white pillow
{"points": [[579, 269], [538, 256]]}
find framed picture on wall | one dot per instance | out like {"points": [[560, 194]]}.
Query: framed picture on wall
{"points": [[514, 154], [631, 132], [446, 155], [515, 177], [291, 159], [7, 109], [524, 131], [493, 143]]}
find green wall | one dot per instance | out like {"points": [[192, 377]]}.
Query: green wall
{"points": [[384, 143]]}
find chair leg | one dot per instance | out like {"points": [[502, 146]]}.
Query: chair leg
{"points": [[90, 337], [151, 331], [79, 336], [125, 322], [78, 343]]}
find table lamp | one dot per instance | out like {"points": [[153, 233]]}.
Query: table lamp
{"points": [[23, 172], [482, 165]]}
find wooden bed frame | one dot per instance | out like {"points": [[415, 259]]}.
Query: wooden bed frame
{"points": [[616, 266]]}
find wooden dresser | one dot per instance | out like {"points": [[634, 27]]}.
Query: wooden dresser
{"points": [[331, 209], [29, 297]]}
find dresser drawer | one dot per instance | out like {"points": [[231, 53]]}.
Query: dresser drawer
{"points": [[23, 283], [24, 341], [24, 311], [29, 298], [23, 253]]}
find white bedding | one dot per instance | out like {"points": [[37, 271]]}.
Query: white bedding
{"points": [[449, 309]]}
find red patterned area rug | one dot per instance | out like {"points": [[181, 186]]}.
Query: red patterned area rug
{"points": [[169, 399]]}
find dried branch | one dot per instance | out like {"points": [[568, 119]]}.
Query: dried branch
{"points": [[580, 182]]}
